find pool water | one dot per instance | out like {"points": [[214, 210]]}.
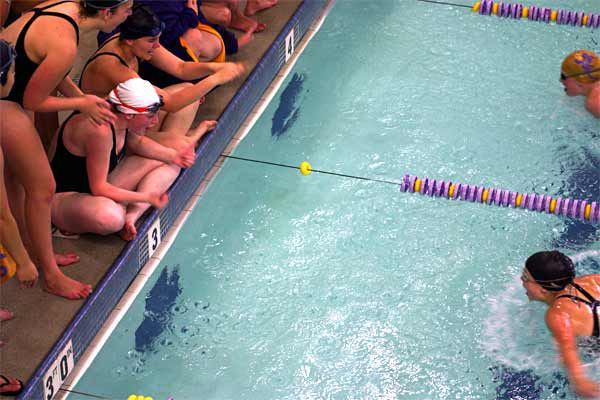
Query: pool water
{"points": [[289, 287]]}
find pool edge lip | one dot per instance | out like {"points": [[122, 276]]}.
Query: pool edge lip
{"points": [[134, 288]]}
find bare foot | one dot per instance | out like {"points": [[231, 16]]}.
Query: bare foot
{"points": [[63, 286], [245, 39], [5, 314], [254, 6], [65, 259], [128, 232], [242, 23]]}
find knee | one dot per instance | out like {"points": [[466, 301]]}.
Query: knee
{"points": [[42, 190], [110, 219]]}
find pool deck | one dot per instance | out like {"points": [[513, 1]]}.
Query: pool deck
{"points": [[41, 318]]}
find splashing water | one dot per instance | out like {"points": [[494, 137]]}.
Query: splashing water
{"points": [[514, 332], [584, 255]]}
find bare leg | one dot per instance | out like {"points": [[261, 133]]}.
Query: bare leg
{"points": [[83, 213], [205, 45], [27, 163], [142, 175], [228, 13], [158, 180], [254, 6], [179, 122]]}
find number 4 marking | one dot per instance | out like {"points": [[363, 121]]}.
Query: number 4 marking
{"points": [[289, 45]]}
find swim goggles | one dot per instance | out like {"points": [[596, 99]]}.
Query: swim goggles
{"points": [[563, 76], [132, 33], [12, 54], [151, 109]]}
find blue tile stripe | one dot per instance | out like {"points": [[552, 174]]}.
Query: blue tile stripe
{"points": [[89, 319]]}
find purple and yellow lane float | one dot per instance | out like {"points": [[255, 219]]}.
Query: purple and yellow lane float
{"points": [[574, 208], [534, 13], [584, 210]]}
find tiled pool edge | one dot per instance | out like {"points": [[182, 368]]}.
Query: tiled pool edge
{"points": [[105, 306]]}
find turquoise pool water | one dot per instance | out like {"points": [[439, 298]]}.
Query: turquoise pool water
{"points": [[289, 287]]}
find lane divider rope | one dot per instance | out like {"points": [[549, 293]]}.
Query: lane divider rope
{"points": [[584, 210]]}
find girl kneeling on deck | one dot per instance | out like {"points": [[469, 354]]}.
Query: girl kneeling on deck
{"points": [[99, 188]]}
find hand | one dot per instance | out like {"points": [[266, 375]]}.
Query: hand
{"points": [[229, 72], [158, 200], [193, 4], [185, 157], [97, 109], [586, 388], [27, 274], [208, 125]]}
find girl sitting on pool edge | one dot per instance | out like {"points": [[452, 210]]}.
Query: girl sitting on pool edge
{"points": [[580, 76], [549, 277]]}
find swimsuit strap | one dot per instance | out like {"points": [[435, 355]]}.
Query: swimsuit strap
{"points": [[42, 11], [106, 53], [590, 302]]}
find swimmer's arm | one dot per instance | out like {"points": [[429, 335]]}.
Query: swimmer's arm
{"points": [[164, 60], [184, 97], [561, 327], [149, 148], [592, 103], [50, 73], [68, 88], [97, 149]]}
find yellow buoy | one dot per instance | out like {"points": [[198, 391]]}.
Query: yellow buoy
{"points": [[525, 12], [305, 168], [553, 15], [495, 8], [584, 20], [8, 266], [476, 6]]}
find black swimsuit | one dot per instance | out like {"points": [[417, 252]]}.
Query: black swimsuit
{"points": [[105, 53], [70, 171], [24, 67], [590, 302]]}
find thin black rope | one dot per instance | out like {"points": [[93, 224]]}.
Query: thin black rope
{"points": [[446, 3], [314, 170], [94, 396]]}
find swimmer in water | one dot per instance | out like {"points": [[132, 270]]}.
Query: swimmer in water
{"points": [[549, 277], [580, 76]]}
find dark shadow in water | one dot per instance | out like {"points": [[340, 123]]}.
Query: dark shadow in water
{"points": [[288, 109], [158, 313], [583, 183], [525, 385]]}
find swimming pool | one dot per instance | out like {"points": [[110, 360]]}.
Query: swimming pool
{"points": [[283, 286]]}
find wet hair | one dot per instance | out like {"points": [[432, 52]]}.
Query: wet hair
{"points": [[142, 22], [90, 8], [551, 269], [7, 58]]}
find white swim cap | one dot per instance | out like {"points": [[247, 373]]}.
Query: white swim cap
{"points": [[135, 96]]}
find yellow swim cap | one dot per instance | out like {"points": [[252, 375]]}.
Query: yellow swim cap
{"points": [[582, 65]]}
